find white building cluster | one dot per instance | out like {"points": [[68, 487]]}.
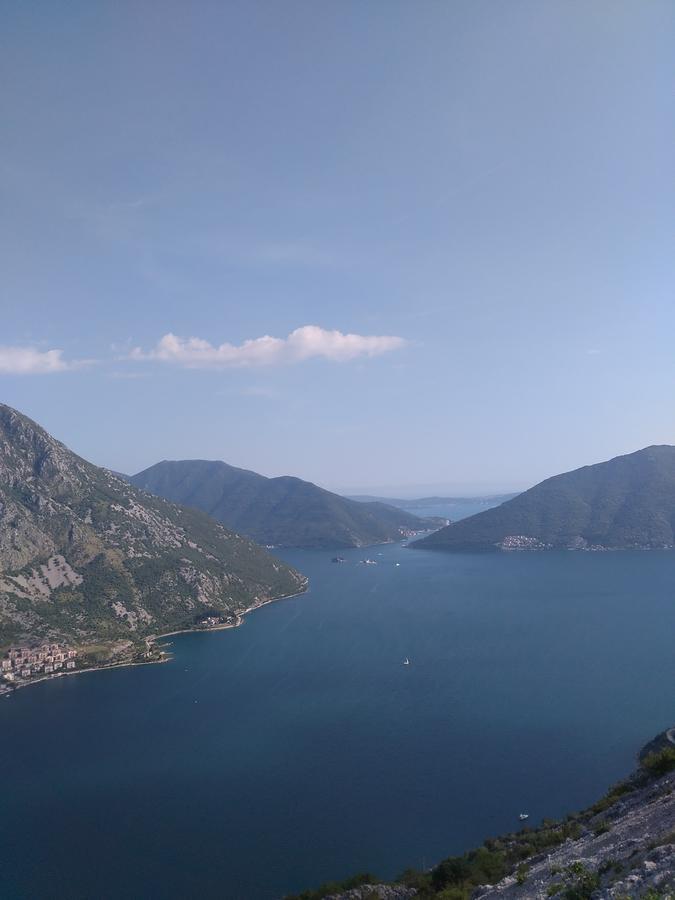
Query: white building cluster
{"points": [[27, 662]]}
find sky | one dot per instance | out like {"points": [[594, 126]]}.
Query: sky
{"points": [[401, 246]]}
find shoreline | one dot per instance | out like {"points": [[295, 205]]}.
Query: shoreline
{"points": [[239, 619], [12, 688], [152, 640]]}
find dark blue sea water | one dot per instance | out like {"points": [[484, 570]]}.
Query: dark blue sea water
{"points": [[299, 748]]}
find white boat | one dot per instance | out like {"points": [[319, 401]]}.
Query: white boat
{"points": [[406, 661], [524, 816]]}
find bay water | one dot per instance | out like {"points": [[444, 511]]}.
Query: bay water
{"points": [[298, 748]]}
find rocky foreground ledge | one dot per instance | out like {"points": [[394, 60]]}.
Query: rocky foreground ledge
{"points": [[627, 850], [621, 847], [376, 892]]}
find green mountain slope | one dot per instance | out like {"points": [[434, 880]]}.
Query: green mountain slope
{"points": [[627, 502], [85, 556], [286, 512]]}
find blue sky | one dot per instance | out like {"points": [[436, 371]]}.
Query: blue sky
{"points": [[480, 194]]}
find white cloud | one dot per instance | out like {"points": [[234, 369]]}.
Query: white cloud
{"points": [[30, 361], [308, 342]]}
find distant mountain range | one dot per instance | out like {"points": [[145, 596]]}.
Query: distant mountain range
{"points": [[280, 512], [432, 502], [90, 559], [627, 502]]}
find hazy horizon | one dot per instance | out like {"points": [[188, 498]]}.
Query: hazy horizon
{"points": [[403, 245]]}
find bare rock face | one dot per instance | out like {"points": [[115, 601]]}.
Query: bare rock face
{"points": [[655, 873], [627, 850], [86, 557], [379, 891]]}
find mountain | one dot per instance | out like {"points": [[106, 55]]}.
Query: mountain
{"points": [[88, 558], [285, 511], [627, 502]]}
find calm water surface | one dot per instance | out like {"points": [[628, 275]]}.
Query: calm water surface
{"points": [[298, 748]]}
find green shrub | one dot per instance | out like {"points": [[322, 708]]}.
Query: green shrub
{"points": [[481, 866], [454, 893], [581, 882], [612, 795], [661, 762]]}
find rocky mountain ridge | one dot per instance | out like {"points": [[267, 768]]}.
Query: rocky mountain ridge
{"points": [[87, 558]]}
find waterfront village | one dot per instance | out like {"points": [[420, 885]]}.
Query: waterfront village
{"points": [[23, 663]]}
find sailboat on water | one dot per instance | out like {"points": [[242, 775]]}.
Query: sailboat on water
{"points": [[406, 661]]}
